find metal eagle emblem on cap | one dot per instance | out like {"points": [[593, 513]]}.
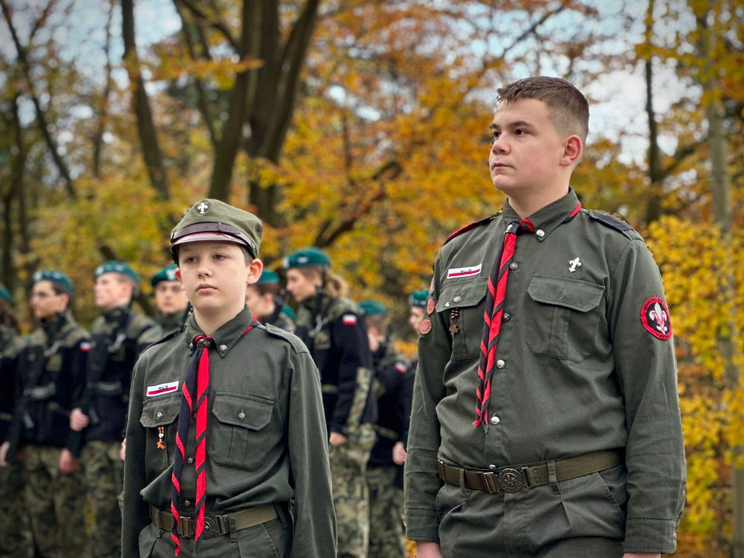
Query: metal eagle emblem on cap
{"points": [[202, 208]]}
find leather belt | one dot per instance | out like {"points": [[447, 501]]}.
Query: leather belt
{"points": [[514, 479], [214, 525]]}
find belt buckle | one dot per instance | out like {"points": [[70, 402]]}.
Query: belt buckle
{"points": [[510, 480], [211, 528], [489, 483]]}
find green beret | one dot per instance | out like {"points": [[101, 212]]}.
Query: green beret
{"points": [[287, 311], [214, 220], [55, 277], [168, 273], [267, 277], [372, 308], [5, 294], [112, 266], [418, 298], [307, 257]]}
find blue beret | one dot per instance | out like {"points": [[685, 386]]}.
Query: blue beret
{"points": [[418, 298], [372, 308], [56, 277], [168, 273], [307, 257], [112, 266]]}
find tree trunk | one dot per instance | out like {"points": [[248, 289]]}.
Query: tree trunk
{"points": [[145, 124], [723, 216]]}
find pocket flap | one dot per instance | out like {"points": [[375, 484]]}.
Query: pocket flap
{"points": [[248, 411], [159, 412], [458, 294], [575, 294]]}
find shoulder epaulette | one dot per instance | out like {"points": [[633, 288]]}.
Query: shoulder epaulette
{"points": [[289, 337], [471, 226], [610, 221]]}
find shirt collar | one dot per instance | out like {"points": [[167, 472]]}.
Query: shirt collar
{"points": [[226, 336], [550, 217]]}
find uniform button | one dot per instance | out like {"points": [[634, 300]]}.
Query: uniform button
{"points": [[223, 348], [187, 503], [190, 460], [514, 266], [447, 304], [193, 417], [191, 346], [457, 298], [241, 416], [507, 316], [495, 420], [540, 233], [500, 364], [158, 415]]}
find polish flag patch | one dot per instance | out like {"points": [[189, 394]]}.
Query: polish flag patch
{"points": [[161, 389], [84, 347], [400, 367], [349, 319], [464, 271]]}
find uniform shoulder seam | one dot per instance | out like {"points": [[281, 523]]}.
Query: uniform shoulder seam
{"points": [[471, 226], [295, 342]]}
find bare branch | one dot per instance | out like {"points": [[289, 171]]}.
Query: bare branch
{"points": [[213, 21]]}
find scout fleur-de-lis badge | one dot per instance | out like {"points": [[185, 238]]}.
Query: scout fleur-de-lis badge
{"points": [[655, 318], [573, 264], [202, 208]]}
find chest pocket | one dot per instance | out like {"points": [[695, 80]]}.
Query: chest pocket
{"points": [[564, 317], [469, 299], [238, 438], [159, 417]]}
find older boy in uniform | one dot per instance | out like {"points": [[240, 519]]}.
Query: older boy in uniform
{"points": [[171, 302], [227, 451], [101, 411], [545, 418]]}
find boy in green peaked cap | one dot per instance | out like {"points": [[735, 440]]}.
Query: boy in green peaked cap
{"points": [[226, 433]]}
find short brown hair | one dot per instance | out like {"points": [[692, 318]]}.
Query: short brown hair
{"points": [[569, 109], [266, 288]]}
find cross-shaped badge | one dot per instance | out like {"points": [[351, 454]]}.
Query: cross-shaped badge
{"points": [[202, 208]]}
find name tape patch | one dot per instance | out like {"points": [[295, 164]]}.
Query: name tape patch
{"points": [[161, 389], [464, 271]]}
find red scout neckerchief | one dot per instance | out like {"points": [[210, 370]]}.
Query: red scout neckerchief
{"points": [[494, 314], [195, 392]]}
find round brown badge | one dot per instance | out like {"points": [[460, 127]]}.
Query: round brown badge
{"points": [[425, 326], [430, 305]]}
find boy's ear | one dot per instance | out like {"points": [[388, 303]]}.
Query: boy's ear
{"points": [[254, 271], [178, 275], [572, 150]]}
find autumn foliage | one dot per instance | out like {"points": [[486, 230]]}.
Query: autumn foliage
{"points": [[362, 127]]}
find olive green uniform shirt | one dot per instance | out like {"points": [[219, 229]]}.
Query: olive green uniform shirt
{"points": [[266, 436], [576, 369]]}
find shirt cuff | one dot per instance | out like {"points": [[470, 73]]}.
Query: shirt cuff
{"points": [[422, 525], [650, 535]]}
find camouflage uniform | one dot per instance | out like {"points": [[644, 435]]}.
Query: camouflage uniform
{"points": [[107, 397], [50, 376], [15, 531], [282, 318], [394, 390], [337, 339]]}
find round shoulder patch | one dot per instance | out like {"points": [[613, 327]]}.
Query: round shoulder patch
{"points": [[655, 318], [430, 305], [425, 326]]}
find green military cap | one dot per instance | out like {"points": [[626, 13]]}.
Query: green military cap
{"points": [[287, 311], [418, 298], [168, 273], [372, 308], [56, 277], [5, 294], [217, 221], [112, 266], [267, 277], [307, 257]]}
